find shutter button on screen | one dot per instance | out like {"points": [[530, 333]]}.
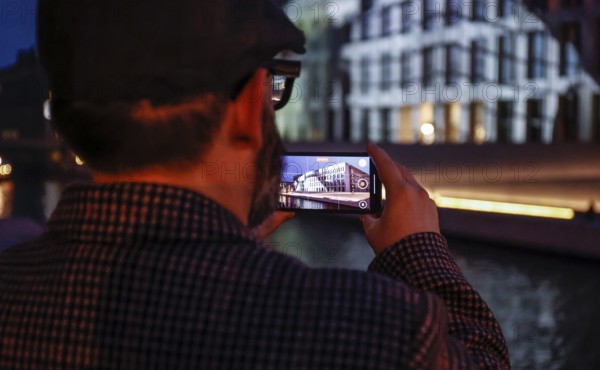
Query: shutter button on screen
{"points": [[363, 184]]}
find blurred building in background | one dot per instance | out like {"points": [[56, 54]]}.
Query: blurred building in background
{"points": [[313, 112], [451, 71], [401, 71], [576, 26], [22, 86], [479, 71], [24, 136], [32, 158]]}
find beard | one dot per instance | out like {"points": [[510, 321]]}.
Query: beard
{"points": [[265, 196]]}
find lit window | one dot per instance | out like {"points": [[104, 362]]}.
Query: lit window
{"points": [[452, 63], [365, 74], [506, 58], [453, 12], [365, 125], [506, 8], [536, 66], [428, 14], [478, 54], [365, 25], [504, 121], [478, 11], [534, 120], [386, 21], [428, 67], [569, 55], [405, 69], [386, 72], [385, 124], [408, 9]]}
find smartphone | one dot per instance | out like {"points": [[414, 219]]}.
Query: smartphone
{"points": [[330, 183]]}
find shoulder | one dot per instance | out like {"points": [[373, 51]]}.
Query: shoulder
{"points": [[365, 314], [281, 271]]}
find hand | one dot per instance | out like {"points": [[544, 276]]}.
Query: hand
{"points": [[271, 224], [408, 209]]}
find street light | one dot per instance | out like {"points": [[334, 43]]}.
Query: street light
{"points": [[5, 170], [427, 129], [480, 133], [427, 133], [47, 111]]}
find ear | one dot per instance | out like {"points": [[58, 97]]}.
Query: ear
{"points": [[245, 114]]}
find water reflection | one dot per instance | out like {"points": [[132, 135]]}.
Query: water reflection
{"points": [[546, 305], [298, 203], [525, 306], [6, 196]]}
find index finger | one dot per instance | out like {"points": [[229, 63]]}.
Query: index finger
{"points": [[405, 173], [388, 171]]}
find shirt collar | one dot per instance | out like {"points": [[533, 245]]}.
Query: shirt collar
{"points": [[142, 212]]}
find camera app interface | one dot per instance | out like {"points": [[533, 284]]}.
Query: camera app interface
{"points": [[337, 183]]}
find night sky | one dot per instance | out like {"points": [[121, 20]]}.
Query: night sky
{"points": [[293, 166], [17, 28]]}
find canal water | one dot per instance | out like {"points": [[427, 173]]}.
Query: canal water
{"points": [[298, 203], [548, 306]]}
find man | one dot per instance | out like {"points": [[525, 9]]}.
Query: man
{"points": [[154, 264]]}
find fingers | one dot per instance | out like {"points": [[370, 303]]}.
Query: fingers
{"points": [[393, 175], [383, 160], [387, 169], [406, 175]]}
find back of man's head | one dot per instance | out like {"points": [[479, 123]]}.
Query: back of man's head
{"points": [[112, 63]]}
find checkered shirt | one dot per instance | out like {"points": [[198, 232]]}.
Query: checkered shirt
{"points": [[145, 276]]}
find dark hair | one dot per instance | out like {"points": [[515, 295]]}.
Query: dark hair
{"points": [[121, 137]]}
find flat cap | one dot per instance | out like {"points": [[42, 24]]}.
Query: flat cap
{"points": [[115, 50]]}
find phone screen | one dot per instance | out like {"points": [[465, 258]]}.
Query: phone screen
{"points": [[340, 183]]}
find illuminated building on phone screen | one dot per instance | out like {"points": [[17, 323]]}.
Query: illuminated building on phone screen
{"points": [[339, 177]]}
